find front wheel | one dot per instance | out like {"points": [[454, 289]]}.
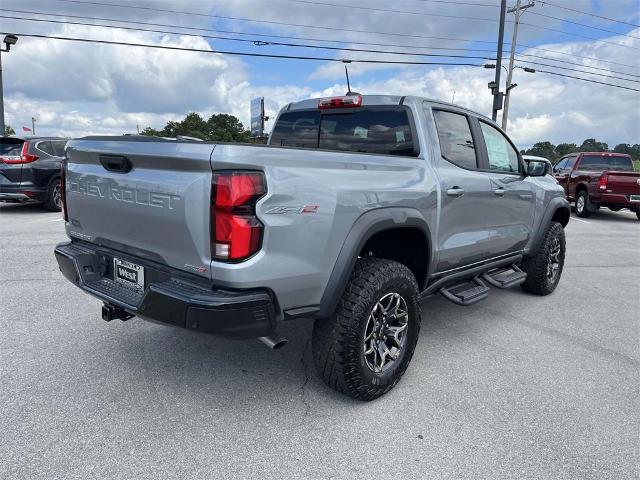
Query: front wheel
{"points": [[366, 346], [544, 269]]}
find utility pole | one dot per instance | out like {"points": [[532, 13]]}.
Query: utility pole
{"points": [[33, 125], [2, 127], [495, 85], [518, 10]]}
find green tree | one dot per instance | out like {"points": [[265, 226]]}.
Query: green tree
{"points": [[226, 128], [543, 149], [564, 148], [220, 127], [8, 130], [151, 132], [592, 145]]}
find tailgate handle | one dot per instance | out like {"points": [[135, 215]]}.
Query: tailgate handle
{"points": [[116, 163]]}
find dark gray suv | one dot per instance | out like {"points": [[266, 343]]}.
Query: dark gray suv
{"points": [[30, 170]]}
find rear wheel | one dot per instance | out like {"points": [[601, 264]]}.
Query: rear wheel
{"points": [[638, 215], [366, 346], [583, 206], [544, 269], [53, 203]]}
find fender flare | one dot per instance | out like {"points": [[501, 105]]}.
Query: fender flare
{"points": [[555, 204], [367, 225]]}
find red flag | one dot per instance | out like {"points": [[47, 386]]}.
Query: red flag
{"points": [[26, 129]]}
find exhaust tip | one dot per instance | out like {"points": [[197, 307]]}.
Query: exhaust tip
{"points": [[274, 342]]}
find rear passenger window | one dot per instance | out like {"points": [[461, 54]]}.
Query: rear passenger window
{"points": [[456, 142], [502, 156], [45, 147], [368, 130], [58, 147]]}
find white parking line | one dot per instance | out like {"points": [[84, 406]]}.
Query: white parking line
{"points": [[579, 219], [57, 220]]}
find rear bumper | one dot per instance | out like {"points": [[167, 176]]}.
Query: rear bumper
{"points": [[168, 297], [615, 200], [21, 193]]}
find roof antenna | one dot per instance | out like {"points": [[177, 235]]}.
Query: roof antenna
{"points": [[349, 92]]}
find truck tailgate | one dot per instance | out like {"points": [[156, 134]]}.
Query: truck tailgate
{"points": [[149, 199], [624, 183]]}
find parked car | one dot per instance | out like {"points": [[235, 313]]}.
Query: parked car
{"points": [[599, 179], [357, 209], [30, 170]]}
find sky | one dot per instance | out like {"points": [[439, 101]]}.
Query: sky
{"points": [[75, 89]]}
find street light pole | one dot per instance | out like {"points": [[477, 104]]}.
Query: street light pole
{"points": [[518, 10], [8, 41], [495, 89], [2, 127]]}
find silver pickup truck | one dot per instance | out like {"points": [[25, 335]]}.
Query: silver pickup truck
{"points": [[357, 209]]}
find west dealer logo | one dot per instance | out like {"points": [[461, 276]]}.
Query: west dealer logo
{"points": [[139, 196]]}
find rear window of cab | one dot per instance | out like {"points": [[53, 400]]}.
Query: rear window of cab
{"points": [[376, 129], [606, 162]]}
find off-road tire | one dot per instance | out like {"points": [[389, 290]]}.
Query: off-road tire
{"points": [[536, 266], [337, 343], [50, 203], [583, 205]]}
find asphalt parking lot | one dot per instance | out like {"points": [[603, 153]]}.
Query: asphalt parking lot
{"points": [[515, 387]]}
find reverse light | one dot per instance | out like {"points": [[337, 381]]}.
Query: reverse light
{"points": [[602, 181], [23, 158], [340, 102], [236, 232]]}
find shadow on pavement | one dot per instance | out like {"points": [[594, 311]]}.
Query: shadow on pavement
{"points": [[13, 208]]}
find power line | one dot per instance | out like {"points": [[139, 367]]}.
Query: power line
{"points": [[388, 10], [582, 24], [529, 62], [428, 14], [246, 54], [576, 55], [323, 47], [575, 63], [273, 22], [545, 2], [578, 35], [292, 57], [328, 40], [585, 79], [262, 35], [245, 40]]}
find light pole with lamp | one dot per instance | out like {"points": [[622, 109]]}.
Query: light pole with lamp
{"points": [[8, 41]]}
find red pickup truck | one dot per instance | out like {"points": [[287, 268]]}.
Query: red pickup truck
{"points": [[599, 179]]}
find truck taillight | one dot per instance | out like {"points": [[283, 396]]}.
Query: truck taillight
{"points": [[236, 232], [63, 191], [602, 181], [24, 157]]}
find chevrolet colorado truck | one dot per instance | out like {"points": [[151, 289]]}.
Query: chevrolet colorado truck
{"points": [[599, 179], [357, 209]]}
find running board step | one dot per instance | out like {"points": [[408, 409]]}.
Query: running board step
{"points": [[505, 277], [466, 293]]}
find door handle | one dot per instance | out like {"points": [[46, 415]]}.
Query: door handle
{"points": [[499, 191], [116, 163], [455, 192]]}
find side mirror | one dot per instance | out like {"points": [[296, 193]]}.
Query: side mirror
{"points": [[537, 168]]}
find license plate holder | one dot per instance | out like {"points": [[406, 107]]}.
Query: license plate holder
{"points": [[634, 198], [128, 274]]}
